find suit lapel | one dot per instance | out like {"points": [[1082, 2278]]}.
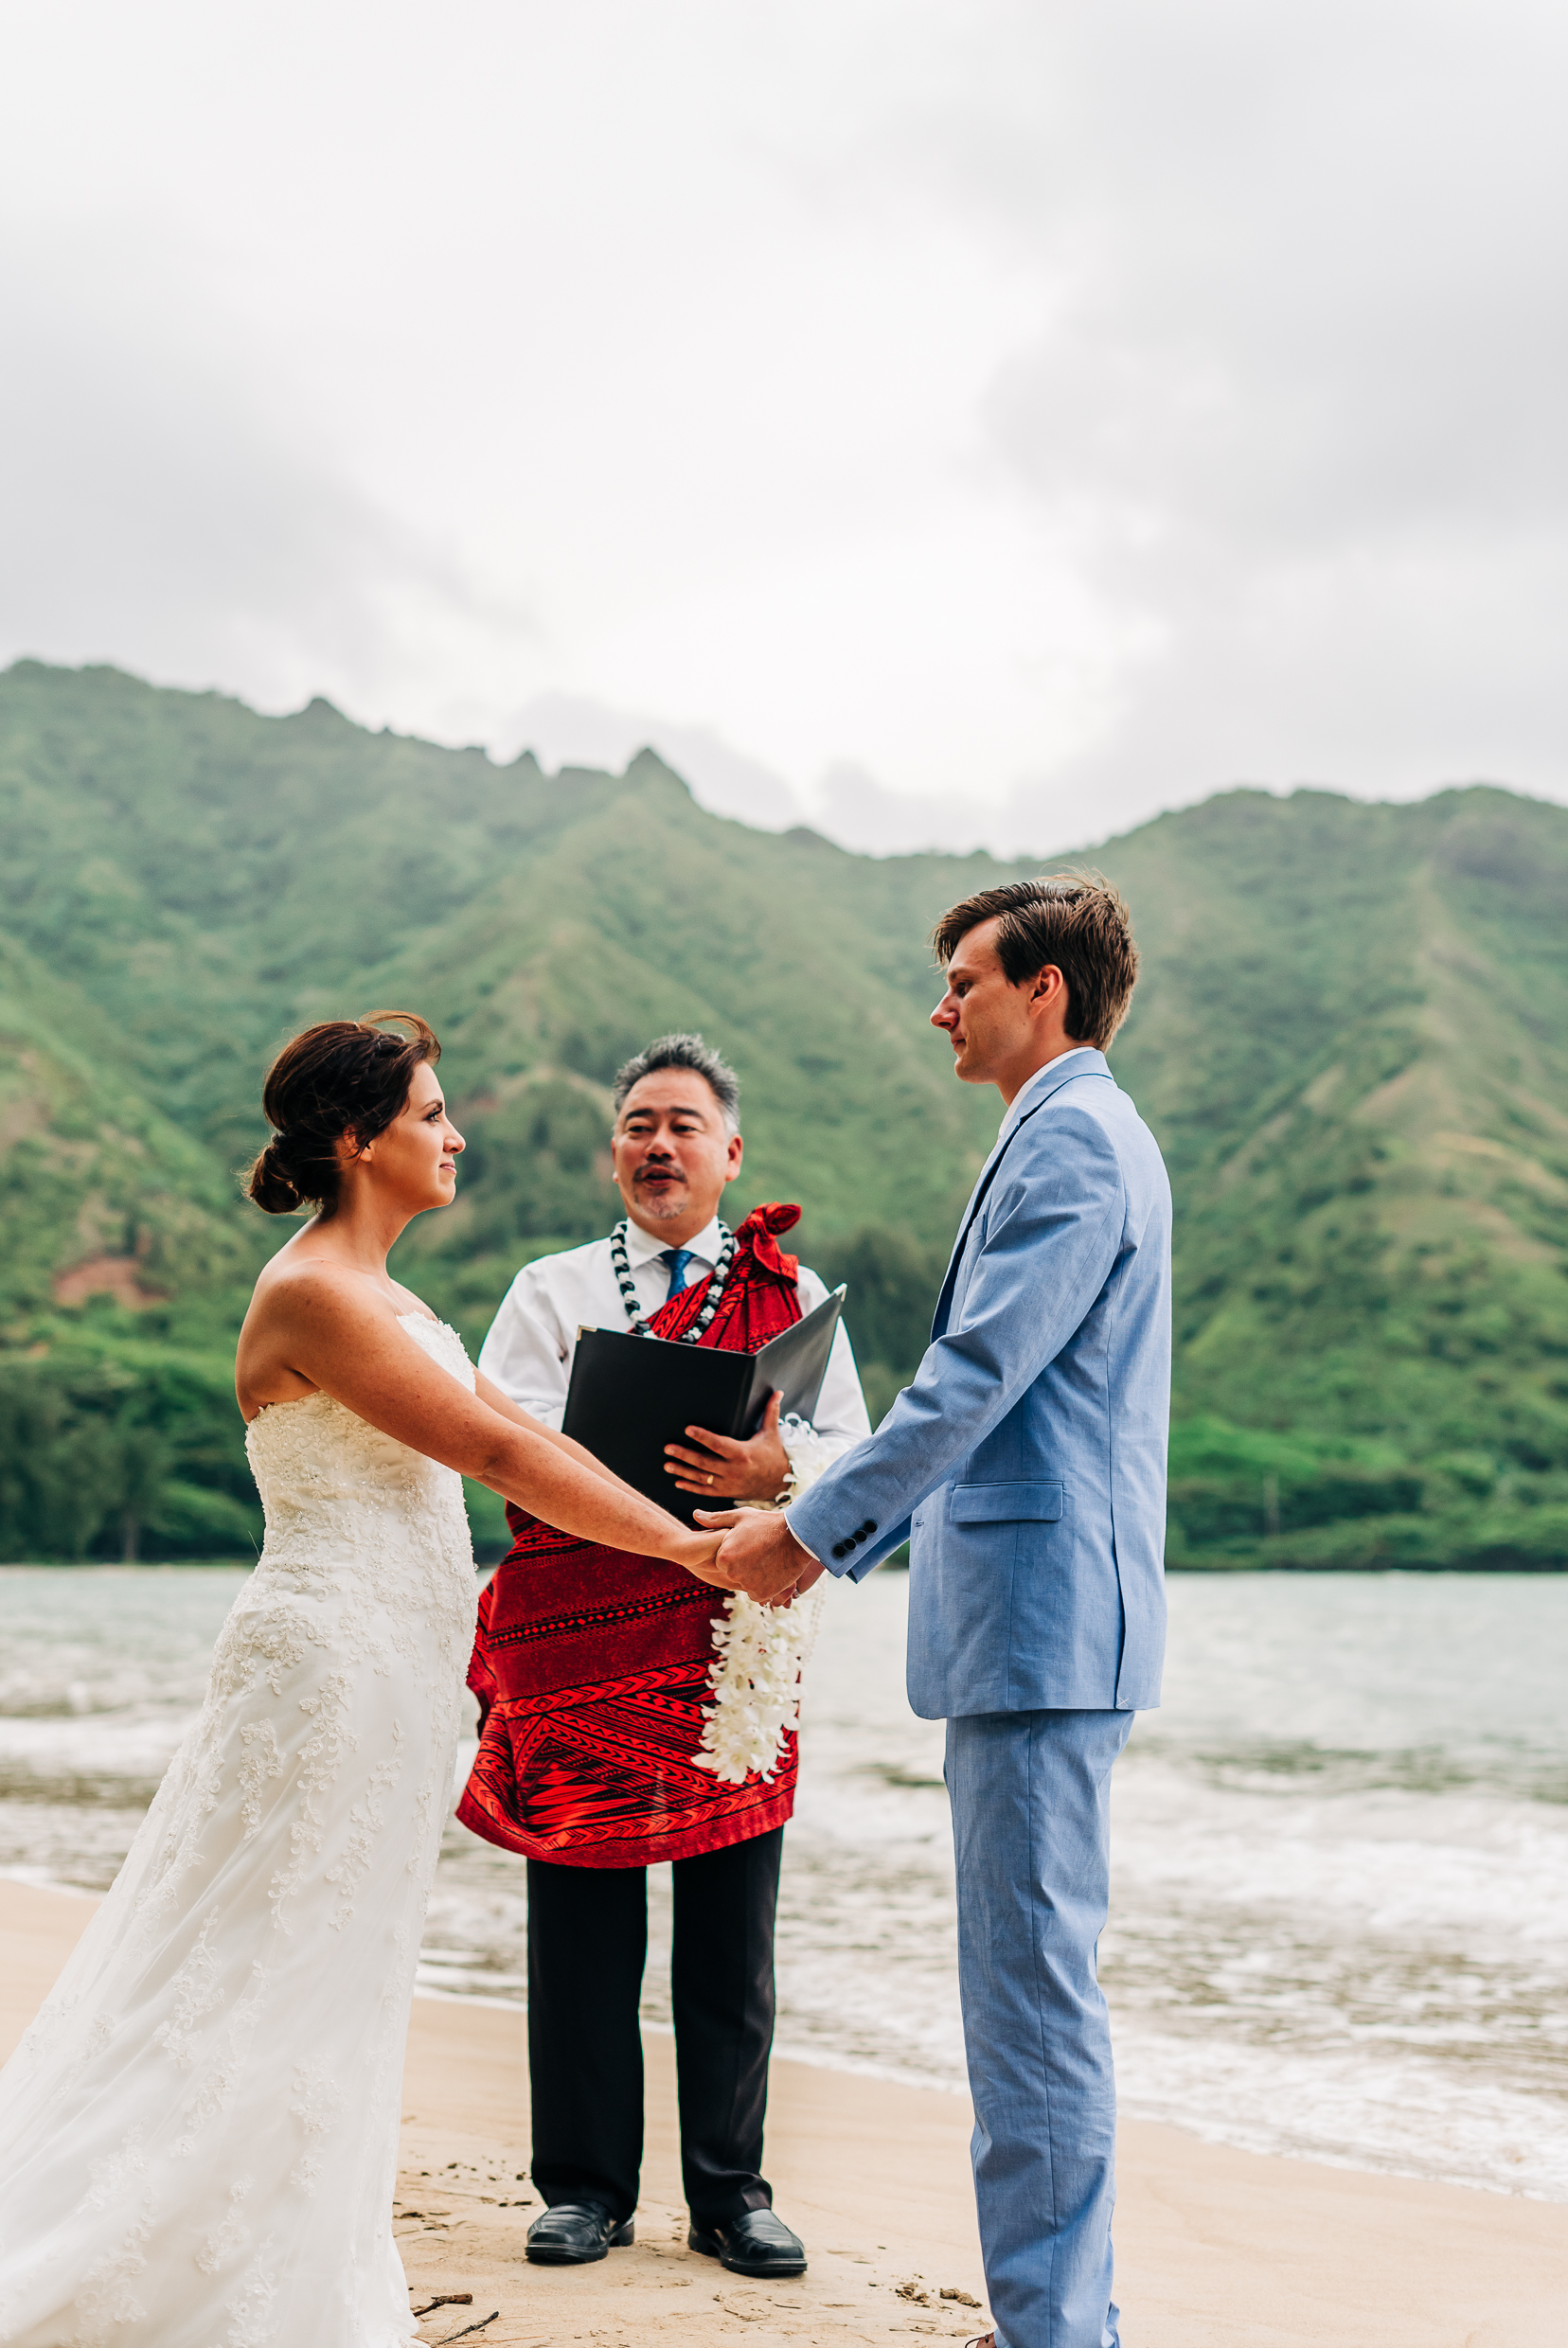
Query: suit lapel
{"points": [[976, 1199], [987, 1175]]}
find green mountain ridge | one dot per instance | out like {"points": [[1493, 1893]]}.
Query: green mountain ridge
{"points": [[1347, 1038]]}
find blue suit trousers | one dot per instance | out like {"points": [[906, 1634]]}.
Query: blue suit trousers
{"points": [[1031, 1800]]}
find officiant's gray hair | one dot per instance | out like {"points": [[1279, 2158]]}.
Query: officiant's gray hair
{"points": [[685, 1051]]}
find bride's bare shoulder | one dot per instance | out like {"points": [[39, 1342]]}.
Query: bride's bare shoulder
{"points": [[310, 1320], [298, 1290]]}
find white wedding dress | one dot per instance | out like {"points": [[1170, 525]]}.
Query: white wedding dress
{"points": [[198, 2136]]}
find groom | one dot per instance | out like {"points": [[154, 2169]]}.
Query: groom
{"points": [[1026, 1468]]}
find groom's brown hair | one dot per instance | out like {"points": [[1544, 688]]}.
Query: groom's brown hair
{"points": [[1074, 919]]}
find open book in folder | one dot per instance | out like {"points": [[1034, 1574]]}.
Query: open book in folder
{"points": [[630, 1396]]}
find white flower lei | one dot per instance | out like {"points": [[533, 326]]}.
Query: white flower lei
{"points": [[760, 1651]]}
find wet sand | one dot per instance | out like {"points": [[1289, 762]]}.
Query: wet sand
{"points": [[1214, 2246]]}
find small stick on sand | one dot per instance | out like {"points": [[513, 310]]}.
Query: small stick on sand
{"points": [[470, 2327], [444, 2298]]}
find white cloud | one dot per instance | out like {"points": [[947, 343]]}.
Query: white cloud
{"points": [[164, 508], [973, 422]]}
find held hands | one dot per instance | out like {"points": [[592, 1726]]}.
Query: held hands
{"points": [[698, 1552], [761, 1556], [747, 1548], [727, 1469]]}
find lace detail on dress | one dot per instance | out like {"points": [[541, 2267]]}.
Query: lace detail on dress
{"points": [[198, 1988], [231, 2235], [222, 2059], [106, 2302], [253, 2307], [263, 1760], [321, 1761]]}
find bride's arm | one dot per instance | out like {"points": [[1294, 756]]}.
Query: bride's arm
{"points": [[506, 1408], [353, 1350]]}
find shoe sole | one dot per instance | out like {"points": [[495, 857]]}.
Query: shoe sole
{"points": [[621, 2239], [774, 2270]]}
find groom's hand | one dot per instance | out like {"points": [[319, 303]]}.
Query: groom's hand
{"points": [[761, 1556]]}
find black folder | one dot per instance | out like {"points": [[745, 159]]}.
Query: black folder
{"points": [[630, 1396]]}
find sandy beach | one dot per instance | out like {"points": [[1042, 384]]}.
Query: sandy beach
{"points": [[1214, 2246]]}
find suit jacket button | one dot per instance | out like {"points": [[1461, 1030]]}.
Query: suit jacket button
{"points": [[842, 1549], [868, 1529]]}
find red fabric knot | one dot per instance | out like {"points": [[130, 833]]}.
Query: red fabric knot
{"points": [[759, 1233]]}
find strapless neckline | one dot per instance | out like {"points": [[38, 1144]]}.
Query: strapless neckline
{"points": [[319, 1394]]}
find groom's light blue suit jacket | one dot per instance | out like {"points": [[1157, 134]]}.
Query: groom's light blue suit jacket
{"points": [[1027, 1464]]}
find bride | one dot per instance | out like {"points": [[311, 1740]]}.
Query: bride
{"points": [[198, 2136]]}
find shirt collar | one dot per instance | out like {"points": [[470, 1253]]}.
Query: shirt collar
{"points": [[642, 1246], [1051, 1073]]}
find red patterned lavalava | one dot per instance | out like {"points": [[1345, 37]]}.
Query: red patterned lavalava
{"points": [[590, 1666]]}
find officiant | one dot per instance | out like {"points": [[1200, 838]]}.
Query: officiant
{"points": [[603, 1746]]}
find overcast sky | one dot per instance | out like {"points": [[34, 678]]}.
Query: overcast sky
{"points": [[968, 423]]}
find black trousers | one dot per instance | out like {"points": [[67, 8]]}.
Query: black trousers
{"points": [[587, 1947]]}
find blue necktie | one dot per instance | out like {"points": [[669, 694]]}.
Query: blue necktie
{"points": [[677, 1258]]}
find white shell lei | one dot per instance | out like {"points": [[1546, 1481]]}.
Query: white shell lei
{"points": [[760, 1651]]}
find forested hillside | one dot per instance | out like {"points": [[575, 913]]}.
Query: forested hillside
{"points": [[1348, 1038]]}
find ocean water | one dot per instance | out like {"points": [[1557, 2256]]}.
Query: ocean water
{"points": [[1339, 1921]]}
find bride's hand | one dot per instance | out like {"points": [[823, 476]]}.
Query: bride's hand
{"points": [[698, 1552]]}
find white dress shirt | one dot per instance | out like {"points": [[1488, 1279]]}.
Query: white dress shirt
{"points": [[533, 1337]]}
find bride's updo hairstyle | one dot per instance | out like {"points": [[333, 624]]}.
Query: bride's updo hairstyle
{"points": [[346, 1076]]}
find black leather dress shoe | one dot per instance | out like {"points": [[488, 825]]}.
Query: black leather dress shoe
{"points": [[574, 2233], [755, 2242]]}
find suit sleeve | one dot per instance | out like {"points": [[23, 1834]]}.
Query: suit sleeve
{"points": [[1048, 1239]]}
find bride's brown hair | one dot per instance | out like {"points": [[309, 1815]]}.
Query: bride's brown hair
{"points": [[346, 1076]]}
